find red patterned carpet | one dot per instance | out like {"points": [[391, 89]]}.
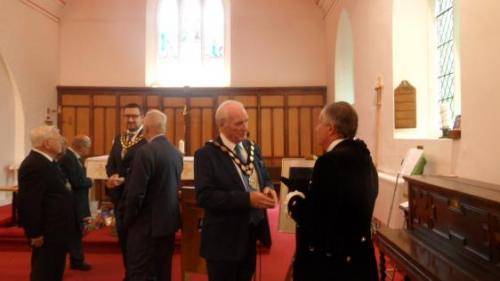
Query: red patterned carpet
{"points": [[102, 252]]}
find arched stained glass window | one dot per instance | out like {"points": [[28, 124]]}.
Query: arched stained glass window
{"points": [[191, 43]]}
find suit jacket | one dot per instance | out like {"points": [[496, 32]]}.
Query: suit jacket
{"points": [[80, 183], [334, 221], [45, 205], [121, 166], [221, 193], [151, 191]]}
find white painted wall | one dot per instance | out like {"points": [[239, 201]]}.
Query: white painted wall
{"points": [[28, 76], [103, 43], [476, 154], [273, 43]]}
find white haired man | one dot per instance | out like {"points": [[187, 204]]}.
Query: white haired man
{"points": [[45, 205], [234, 189], [152, 214]]}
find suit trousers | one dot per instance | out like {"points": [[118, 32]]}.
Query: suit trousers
{"points": [[229, 270], [148, 256], [121, 232], [75, 248], [48, 262]]}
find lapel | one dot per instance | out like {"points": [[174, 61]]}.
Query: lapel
{"points": [[229, 166]]}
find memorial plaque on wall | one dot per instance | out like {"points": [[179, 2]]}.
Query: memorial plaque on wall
{"points": [[405, 106]]}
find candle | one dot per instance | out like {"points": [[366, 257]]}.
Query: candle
{"points": [[182, 146]]}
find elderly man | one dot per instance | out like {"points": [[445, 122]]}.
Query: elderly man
{"points": [[45, 205], [234, 189], [72, 165], [151, 200], [334, 214]]}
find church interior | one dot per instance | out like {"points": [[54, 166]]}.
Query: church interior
{"points": [[420, 74]]}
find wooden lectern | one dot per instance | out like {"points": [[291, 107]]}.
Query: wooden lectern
{"points": [[191, 261]]}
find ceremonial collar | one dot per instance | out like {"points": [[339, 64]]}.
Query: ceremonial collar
{"points": [[245, 168]]}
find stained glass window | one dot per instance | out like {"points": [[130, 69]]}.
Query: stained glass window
{"points": [[191, 43]]}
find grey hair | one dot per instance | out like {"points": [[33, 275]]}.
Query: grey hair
{"points": [[222, 112], [80, 141], [343, 117], [43, 133], [157, 120]]}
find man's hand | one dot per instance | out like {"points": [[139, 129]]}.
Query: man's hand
{"points": [[114, 181], [261, 201], [37, 242], [269, 192]]}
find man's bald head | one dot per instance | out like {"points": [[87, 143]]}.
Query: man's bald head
{"points": [[232, 120]]}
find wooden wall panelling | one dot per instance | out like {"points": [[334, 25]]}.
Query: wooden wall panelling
{"points": [[174, 108], [266, 132], [278, 132], [68, 122], [98, 141], [305, 131], [282, 119], [110, 129], [293, 132], [83, 120]]}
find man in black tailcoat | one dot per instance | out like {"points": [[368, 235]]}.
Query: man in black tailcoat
{"points": [[334, 213]]}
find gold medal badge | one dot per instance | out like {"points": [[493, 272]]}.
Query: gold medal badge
{"points": [[126, 145]]}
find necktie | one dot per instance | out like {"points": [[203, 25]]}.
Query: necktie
{"points": [[238, 149], [246, 178], [256, 215]]}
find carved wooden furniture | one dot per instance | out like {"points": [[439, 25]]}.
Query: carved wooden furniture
{"points": [[453, 231]]}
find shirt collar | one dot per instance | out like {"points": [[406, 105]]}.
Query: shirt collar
{"points": [[74, 152], [43, 154], [157, 136], [231, 145], [136, 132], [333, 144]]}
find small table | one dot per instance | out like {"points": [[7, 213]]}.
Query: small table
{"points": [[14, 190]]}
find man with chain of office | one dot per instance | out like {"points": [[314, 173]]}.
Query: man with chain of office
{"points": [[119, 164], [234, 190]]}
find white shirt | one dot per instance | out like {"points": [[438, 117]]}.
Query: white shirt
{"points": [[43, 154], [231, 145], [333, 144], [135, 133]]}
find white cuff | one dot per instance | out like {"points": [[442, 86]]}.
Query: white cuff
{"points": [[292, 194]]}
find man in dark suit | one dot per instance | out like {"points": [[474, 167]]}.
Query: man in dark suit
{"points": [[72, 165], [118, 167], [152, 213], [333, 239], [45, 205], [234, 189]]}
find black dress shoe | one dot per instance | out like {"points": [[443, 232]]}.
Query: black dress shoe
{"points": [[83, 266]]}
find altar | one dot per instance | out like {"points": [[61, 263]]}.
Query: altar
{"points": [[96, 170]]}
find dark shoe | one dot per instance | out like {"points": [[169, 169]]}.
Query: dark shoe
{"points": [[83, 266]]}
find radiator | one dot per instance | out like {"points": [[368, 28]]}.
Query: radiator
{"points": [[387, 183]]}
